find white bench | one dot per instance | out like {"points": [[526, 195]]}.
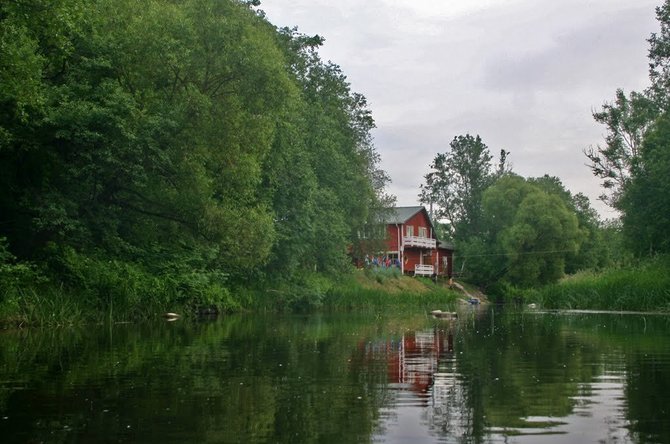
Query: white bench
{"points": [[423, 270]]}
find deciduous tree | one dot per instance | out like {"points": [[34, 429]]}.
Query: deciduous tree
{"points": [[646, 200], [456, 183], [626, 121]]}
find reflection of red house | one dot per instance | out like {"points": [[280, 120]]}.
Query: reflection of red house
{"points": [[413, 359], [411, 238], [416, 361]]}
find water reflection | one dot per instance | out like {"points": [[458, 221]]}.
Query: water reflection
{"points": [[412, 361], [492, 376], [547, 379]]}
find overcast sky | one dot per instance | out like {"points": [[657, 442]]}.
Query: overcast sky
{"points": [[525, 75]]}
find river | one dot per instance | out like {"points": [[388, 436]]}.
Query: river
{"points": [[492, 375]]}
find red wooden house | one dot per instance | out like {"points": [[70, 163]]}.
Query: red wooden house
{"points": [[410, 238]]}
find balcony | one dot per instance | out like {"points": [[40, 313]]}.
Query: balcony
{"points": [[419, 242]]}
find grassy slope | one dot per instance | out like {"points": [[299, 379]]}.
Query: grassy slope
{"points": [[379, 290]]}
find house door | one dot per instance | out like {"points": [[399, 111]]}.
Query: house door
{"points": [[425, 258]]}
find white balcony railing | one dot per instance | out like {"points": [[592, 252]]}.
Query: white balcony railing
{"points": [[423, 270], [422, 242]]}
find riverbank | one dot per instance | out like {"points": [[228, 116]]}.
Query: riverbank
{"points": [[120, 292], [641, 287], [388, 290], [372, 289]]}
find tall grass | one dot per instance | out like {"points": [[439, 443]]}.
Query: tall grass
{"points": [[349, 294], [643, 287], [46, 306], [374, 289], [81, 289]]}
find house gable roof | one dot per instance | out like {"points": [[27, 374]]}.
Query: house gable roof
{"points": [[400, 215]]}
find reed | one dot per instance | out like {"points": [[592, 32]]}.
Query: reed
{"points": [[303, 293], [82, 289], [379, 290], [642, 287], [350, 294]]}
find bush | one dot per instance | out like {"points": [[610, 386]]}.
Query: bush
{"points": [[16, 278], [641, 287], [504, 292], [303, 294], [86, 288]]}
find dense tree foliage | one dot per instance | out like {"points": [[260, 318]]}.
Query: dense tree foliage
{"points": [[189, 139], [596, 250], [635, 160], [506, 228], [525, 232], [531, 233], [646, 203], [455, 185]]}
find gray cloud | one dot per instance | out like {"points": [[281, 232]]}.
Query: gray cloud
{"points": [[523, 74], [608, 48]]}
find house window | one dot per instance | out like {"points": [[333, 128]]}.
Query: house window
{"points": [[410, 230], [423, 232]]}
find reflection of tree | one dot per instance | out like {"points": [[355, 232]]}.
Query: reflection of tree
{"points": [[515, 368], [244, 379], [511, 373], [649, 412], [526, 373], [449, 414], [259, 379], [498, 373]]}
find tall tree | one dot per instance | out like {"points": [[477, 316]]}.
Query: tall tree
{"points": [[633, 162], [626, 120], [646, 201], [531, 233], [659, 59], [457, 182], [335, 185], [178, 135]]}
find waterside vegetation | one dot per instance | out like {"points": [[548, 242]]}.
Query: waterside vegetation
{"points": [[520, 237], [641, 287], [167, 154], [195, 158], [110, 299]]}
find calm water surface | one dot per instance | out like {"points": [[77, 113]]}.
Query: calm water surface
{"points": [[492, 376]]}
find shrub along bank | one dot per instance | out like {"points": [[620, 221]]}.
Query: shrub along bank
{"points": [[641, 287], [94, 290], [77, 289]]}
